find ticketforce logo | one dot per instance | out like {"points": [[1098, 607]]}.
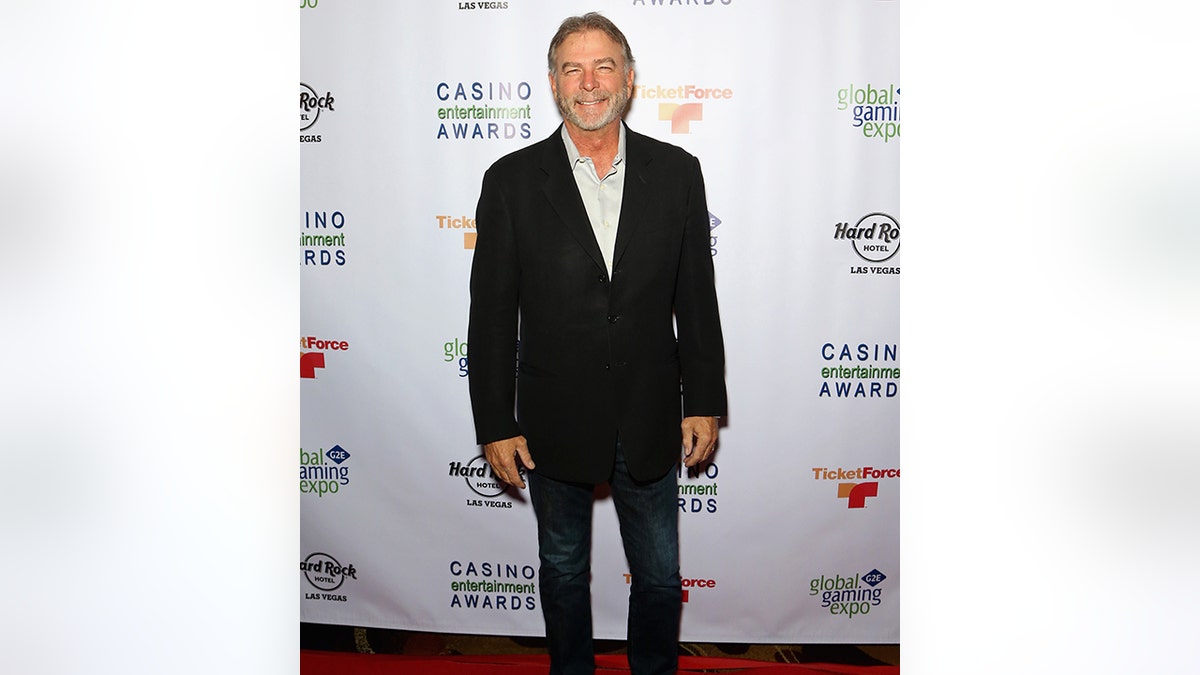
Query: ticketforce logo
{"points": [[688, 584], [857, 484], [681, 115], [454, 224], [310, 360]]}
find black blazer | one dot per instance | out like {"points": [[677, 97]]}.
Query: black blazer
{"points": [[598, 357]]}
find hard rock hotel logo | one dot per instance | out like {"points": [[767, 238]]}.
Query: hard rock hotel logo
{"points": [[311, 104]]}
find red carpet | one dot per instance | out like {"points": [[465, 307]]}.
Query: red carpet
{"points": [[348, 663]]}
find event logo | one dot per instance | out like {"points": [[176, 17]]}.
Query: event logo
{"points": [[848, 596], [863, 371], [855, 493], [681, 3], [319, 244], [875, 110], [483, 482], [688, 584], [456, 353], [311, 360], [478, 111], [698, 488], [311, 105], [464, 224], [492, 585], [681, 115], [324, 573], [713, 222], [318, 476], [308, 4], [875, 238]]}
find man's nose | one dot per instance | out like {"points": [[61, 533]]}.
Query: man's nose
{"points": [[589, 80]]}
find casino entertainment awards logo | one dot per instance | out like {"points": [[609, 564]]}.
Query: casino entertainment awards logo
{"points": [[698, 488], [323, 239], [681, 3], [485, 585], [865, 370], [476, 111]]}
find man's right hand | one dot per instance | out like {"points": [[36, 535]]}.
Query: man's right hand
{"points": [[502, 455]]}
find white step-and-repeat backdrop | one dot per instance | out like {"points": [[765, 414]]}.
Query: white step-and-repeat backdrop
{"points": [[793, 106]]}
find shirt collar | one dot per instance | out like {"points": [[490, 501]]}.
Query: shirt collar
{"points": [[573, 155]]}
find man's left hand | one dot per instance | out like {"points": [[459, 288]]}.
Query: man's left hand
{"points": [[699, 439]]}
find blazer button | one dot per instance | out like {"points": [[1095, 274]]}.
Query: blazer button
{"points": [[602, 278], [607, 367], [612, 318]]}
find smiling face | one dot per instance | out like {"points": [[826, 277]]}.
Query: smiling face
{"points": [[590, 80]]}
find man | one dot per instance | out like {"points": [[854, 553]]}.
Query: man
{"points": [[591, 245]]}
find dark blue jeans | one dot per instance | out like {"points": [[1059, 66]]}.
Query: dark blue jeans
{"points": [[648, 514]]}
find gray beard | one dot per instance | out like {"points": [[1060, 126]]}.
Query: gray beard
{"points": [[617, 103]]}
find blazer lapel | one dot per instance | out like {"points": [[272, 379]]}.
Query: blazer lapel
{"points": [[563, 194], [635, 193]]}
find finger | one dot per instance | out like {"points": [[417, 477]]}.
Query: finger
{"points": [[705, 443], [503, 464], [526, 458], [689, 440]]}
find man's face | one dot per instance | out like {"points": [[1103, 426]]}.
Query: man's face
{"points": [[589, 81]]}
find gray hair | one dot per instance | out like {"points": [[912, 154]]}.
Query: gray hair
{"points": [[590, 21]]}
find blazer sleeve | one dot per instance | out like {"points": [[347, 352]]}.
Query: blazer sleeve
{"points": [[492, 327], [701, 344]]}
